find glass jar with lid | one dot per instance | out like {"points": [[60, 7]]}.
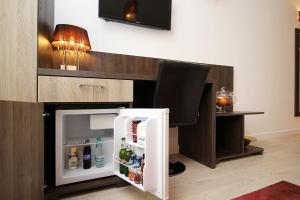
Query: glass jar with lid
{"points": [[224, 99]]}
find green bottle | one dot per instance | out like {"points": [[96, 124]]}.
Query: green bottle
{"points": [[122, 155], [129, 152]]}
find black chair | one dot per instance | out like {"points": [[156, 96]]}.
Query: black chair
{"points": [[179, 87]]}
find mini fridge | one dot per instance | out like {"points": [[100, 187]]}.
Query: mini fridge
{"points": [[80, 129]]}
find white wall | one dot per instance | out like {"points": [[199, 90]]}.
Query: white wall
{"points": [[254, 36]]}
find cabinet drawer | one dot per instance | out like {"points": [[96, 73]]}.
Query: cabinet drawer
{"points": [[68, 89]]}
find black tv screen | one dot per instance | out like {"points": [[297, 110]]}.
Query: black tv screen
{"points": [[148, 13]]}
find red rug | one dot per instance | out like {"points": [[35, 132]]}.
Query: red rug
{"points": [[279, 191]]}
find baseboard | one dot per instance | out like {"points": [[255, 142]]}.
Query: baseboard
{"points": [[279, 133]]}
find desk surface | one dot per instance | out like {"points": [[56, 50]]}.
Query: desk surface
{"points": [[93, 74], [219, 75], [237, 113]]}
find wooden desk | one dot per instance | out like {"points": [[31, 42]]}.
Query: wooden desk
{"points": [[198, 142], [202, 142]]}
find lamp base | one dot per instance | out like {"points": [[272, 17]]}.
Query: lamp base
{"points": [[69, 67]]}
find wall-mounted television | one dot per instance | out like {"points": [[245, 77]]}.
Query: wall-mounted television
{"points": [[147, 13]]}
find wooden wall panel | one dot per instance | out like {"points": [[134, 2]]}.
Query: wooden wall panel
{"points": [[199, 141], [131, 67], [6, 151], [221, 76], [21, 151], [110, 63], [18, 57], [45, 31]]}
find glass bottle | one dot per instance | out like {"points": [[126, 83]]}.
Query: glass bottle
{"points": [[87, 162], [73, 158], [129, 152], [122, 155]]}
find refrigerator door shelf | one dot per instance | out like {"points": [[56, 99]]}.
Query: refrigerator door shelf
{"points": [[122, 176], [133, 144], [148, 184], [155, 174], [131, 168], [117, 172]]}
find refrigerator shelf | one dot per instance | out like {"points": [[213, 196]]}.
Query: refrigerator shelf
{"points": [[80, 142], [79, 174], [131, 143], [137, 171], [122, 176]]}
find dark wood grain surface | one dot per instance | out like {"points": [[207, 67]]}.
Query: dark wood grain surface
{"points": [[237, 113], [297, 70], [93, 74], [198, 141], [230, 135], [117, 66], [249, 150], [109, 63], [45, 30], [21, 151]]}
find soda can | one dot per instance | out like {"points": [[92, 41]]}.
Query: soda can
{"points": [[132, 159], [138, 160]]}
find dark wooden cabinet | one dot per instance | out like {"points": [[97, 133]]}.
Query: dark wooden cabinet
{"points": [[230, 136], [21, 151], [216, 136]]}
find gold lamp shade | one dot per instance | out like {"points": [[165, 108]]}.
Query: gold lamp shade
{"points": [[71, 37]]}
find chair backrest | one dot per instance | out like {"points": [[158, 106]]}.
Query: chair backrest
{"points": [[179, 87]]}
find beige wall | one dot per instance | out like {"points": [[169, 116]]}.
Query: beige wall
{"points": [[254, 36]]}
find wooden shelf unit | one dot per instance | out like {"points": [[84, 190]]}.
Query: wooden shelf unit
{"points": [[216, 136], [230, 136]]}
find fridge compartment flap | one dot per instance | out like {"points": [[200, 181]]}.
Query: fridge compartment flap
{"points": [[102, 121]]}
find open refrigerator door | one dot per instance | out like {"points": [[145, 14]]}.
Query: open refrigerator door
{"points": [[141, 155]]}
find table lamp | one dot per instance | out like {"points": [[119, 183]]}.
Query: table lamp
{"points": [[67, 38]]}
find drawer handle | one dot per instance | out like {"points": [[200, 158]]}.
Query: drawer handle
{"points": [[90, 85]]}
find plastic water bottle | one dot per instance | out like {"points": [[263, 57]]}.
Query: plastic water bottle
{"points": [[99, 153]]}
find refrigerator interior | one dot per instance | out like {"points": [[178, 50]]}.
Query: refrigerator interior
{"points": [[79, 128]]}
